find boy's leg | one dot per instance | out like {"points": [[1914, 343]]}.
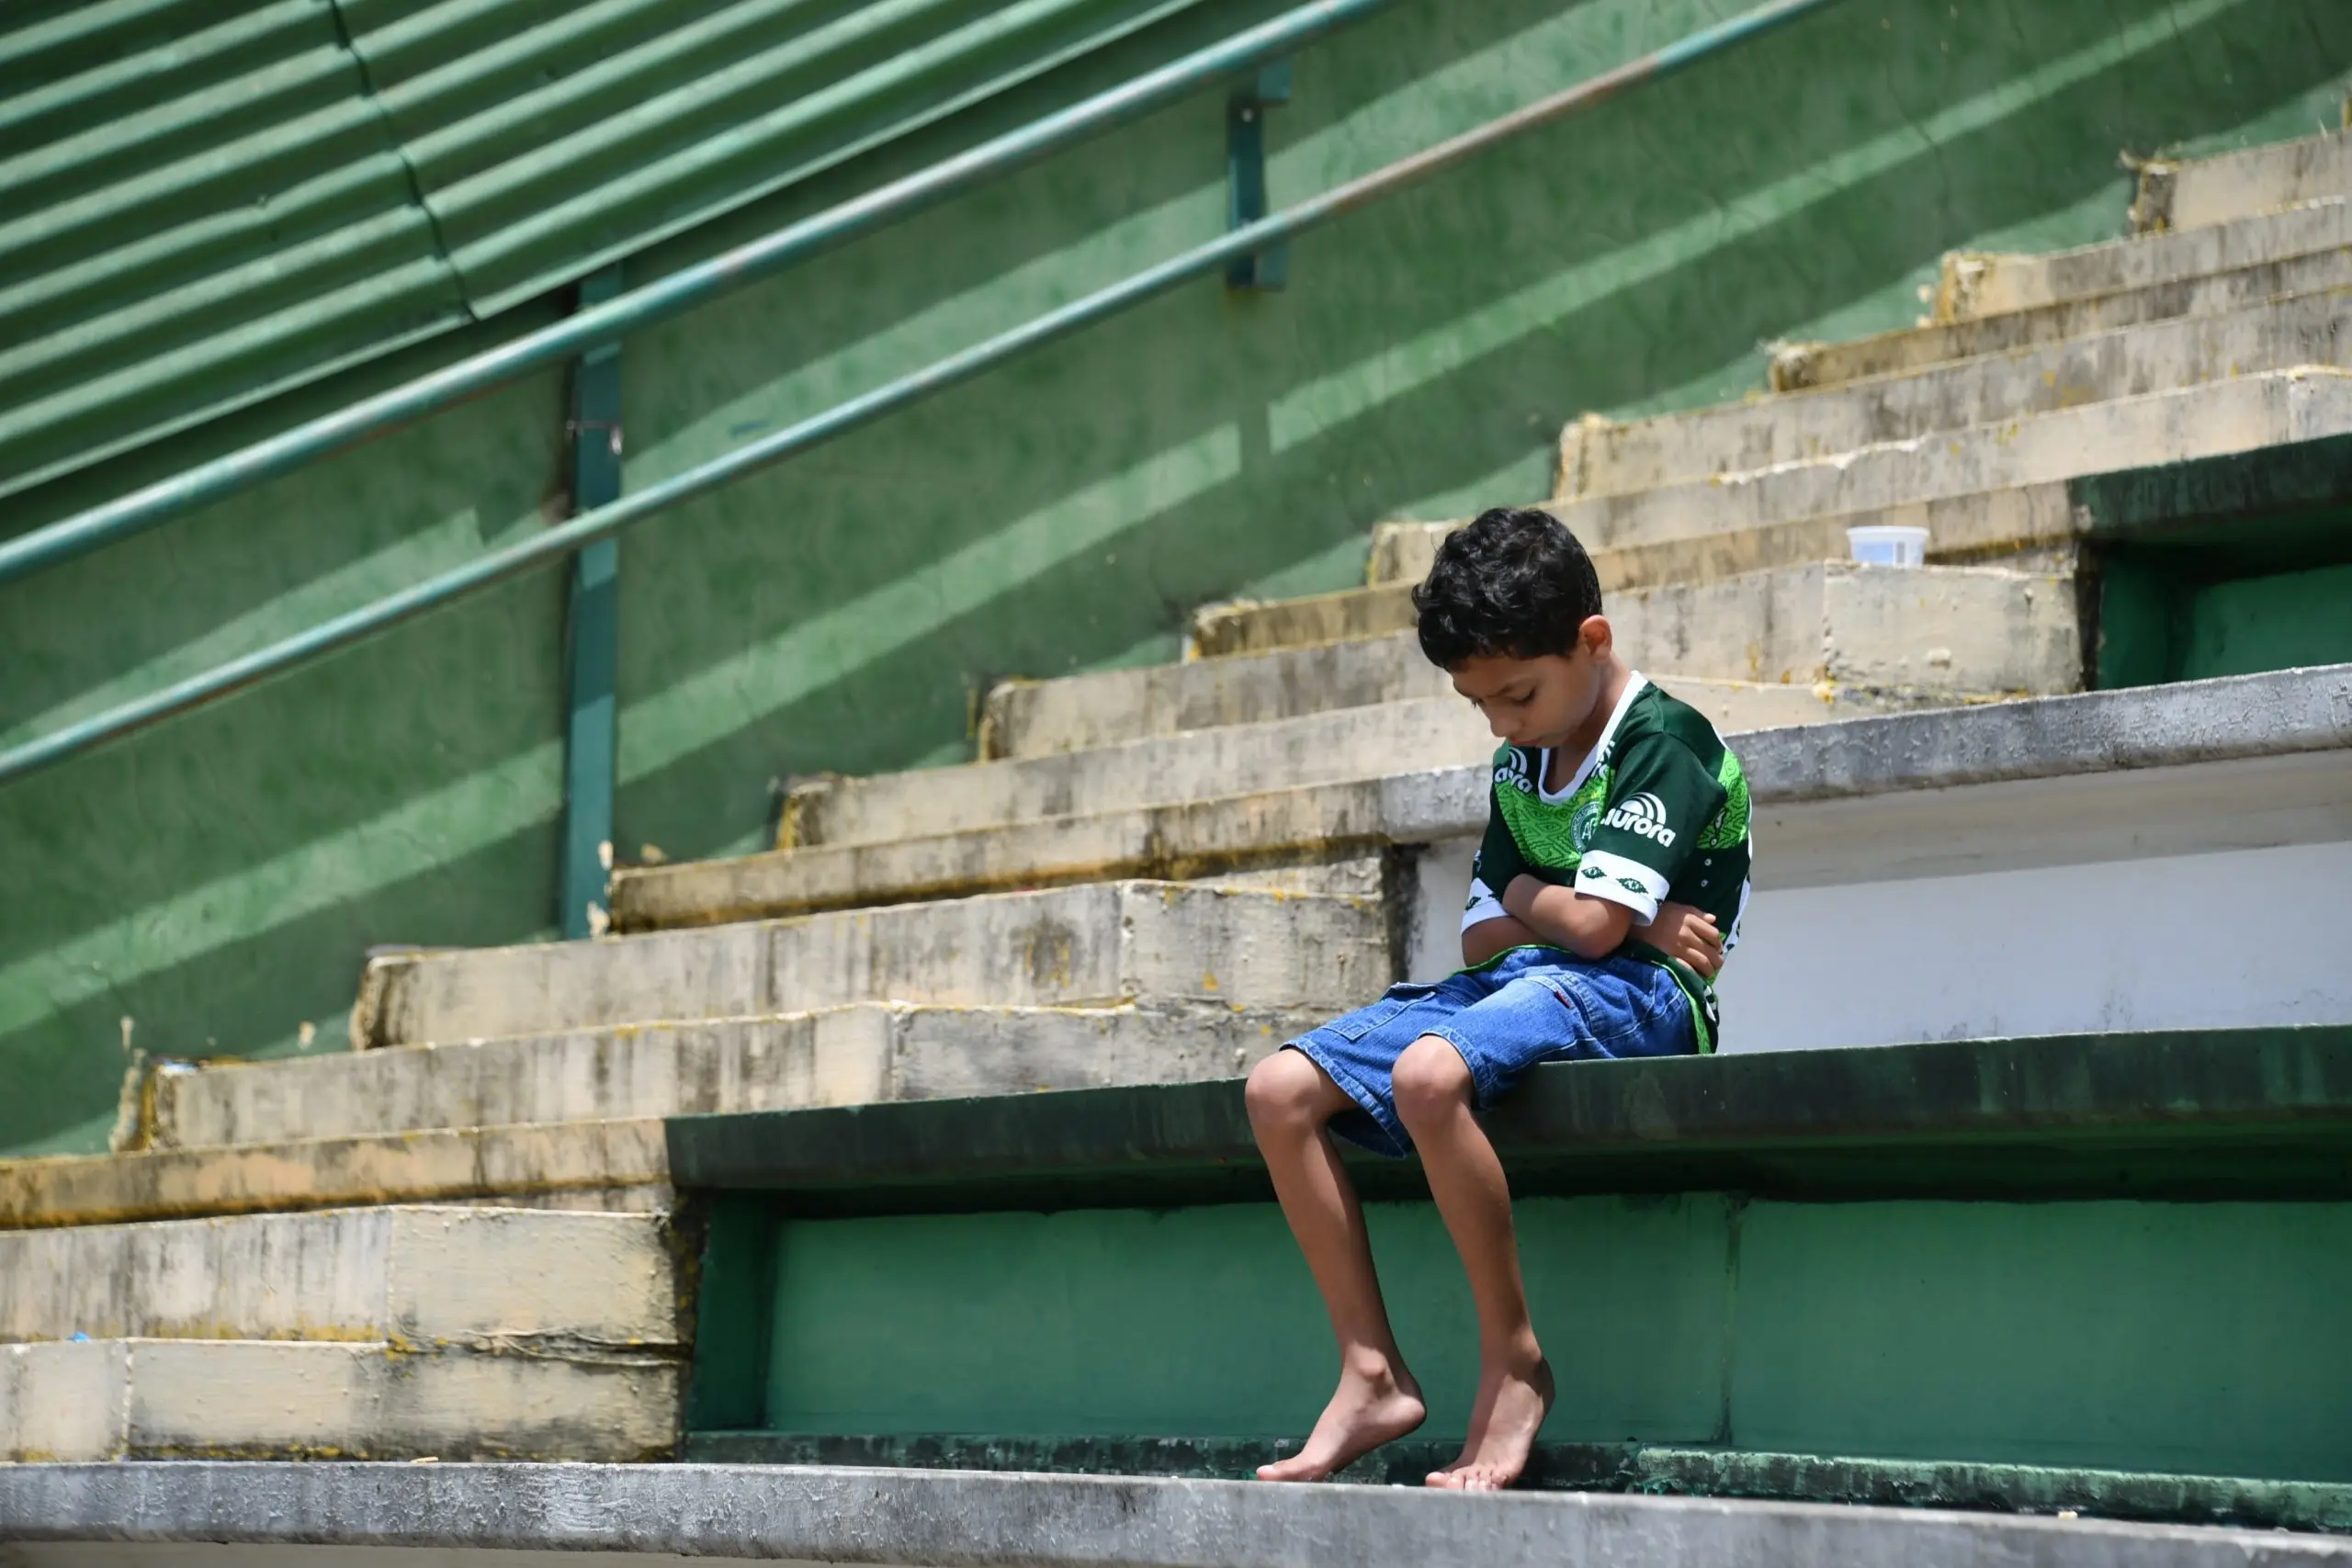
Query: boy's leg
{"points": [[1433, 1098], [1290, 1100]]}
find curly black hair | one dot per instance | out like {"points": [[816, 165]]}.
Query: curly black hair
{"points": [[1514, 582]]}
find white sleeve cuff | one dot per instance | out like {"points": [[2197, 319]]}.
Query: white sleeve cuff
{"points": [[1621, 880], [1483, 906]]}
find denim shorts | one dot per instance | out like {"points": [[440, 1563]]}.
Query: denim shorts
{"points": [[1523, 1007]]}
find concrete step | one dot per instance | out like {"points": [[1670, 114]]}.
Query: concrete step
{"points": [[1801, 366], [1940, 631], [1600, 458], [2242, 415], [1977, 284], [1102, 945], [1635, 1508], [1296, 827], [2196, 192], [1238, 759], [844, 1056], [2260, 492], [487, 1279], [1078, 712], [602, 1166], [2026, 527], [368, 1331], [215, 1399], [1048, 718]]}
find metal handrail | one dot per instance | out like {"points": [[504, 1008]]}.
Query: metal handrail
{"points": [[561, 540], [680, 291]]}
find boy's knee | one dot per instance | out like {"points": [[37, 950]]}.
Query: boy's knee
{"points": [[1431, 1081], [1284, 1088]]}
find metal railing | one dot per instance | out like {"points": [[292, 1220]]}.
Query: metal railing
{"points": [[586, 529]]}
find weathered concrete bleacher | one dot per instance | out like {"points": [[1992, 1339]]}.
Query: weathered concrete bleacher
{"points": [[477, 1516], [379, 1332], [2067, 1241], [1746, 1264]]}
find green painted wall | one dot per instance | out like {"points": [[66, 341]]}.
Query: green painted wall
{"points": [[2184, 1338], [2269, 623], [2163, 618], [216, 880]]}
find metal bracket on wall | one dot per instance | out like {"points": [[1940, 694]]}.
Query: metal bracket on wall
{"points": [[1245, 166], [591, 633]]}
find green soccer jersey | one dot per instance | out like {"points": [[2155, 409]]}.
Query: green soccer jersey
{"points": [[1657, 812]]}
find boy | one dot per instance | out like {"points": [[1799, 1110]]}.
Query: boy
{"points": [[1610, 799]]}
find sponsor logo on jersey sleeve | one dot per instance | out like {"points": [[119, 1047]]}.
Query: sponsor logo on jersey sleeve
{"points": [[1644, 815]]}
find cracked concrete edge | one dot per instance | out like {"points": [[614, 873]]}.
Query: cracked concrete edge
{"points": [[847, 1516]]}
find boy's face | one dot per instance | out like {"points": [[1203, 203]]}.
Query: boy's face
{"points": [[1540, 702]]}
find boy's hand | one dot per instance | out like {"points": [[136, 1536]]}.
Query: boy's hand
{"points": [[1688, 934]]}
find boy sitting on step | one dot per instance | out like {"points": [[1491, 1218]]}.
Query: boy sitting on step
{"points": [[1611, 880]]}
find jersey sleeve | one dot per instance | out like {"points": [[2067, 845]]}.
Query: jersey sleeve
{"points": [[1497, 863], [1660, 796]]}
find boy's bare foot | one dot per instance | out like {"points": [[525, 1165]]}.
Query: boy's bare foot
{"points": [[1511, 1407], [1370, 1407]]}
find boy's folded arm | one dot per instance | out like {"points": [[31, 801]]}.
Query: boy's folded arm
{"points": [[1589, 928], [1488, 937]]}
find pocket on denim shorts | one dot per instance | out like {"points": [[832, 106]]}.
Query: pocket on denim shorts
{"points": [[1365, 1020]]}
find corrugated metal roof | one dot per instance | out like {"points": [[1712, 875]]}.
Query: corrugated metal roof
{"points": [[198, 203], [203, 202]]}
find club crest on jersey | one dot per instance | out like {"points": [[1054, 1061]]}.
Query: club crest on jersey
{"points": [[1644, 815]]}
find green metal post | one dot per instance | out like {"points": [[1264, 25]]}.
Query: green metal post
{"points": [[592, 631], [1245, 164]]}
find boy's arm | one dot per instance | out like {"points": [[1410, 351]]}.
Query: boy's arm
{"points": [[1589, 928], [1680, 931], [1498, 934]]}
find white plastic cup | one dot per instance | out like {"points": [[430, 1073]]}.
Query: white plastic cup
{"points": [[1887, 544]]}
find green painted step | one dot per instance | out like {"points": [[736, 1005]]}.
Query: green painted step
{"points": [[2120, 1252]]}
